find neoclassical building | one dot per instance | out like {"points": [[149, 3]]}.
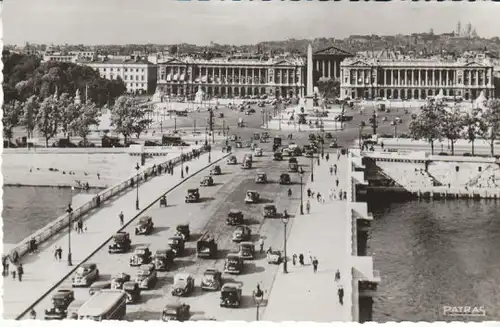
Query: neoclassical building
{"points": [[326, 62], [415, 78], [231, 77]]}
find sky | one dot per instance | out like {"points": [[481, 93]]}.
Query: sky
{"points": [[231, 22]]}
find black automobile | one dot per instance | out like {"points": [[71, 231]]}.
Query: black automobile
{"points": [[278, 156], [121, 243], [285, 179], [133, 292]]}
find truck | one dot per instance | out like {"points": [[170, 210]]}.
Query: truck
{"points": [[206, 247]]}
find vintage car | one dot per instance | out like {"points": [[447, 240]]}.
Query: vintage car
{"points": [[328, 135], [182, 230], [164, 259], [146, 276], [309, 153], [85, 275], [293, 165], [270, 211], [193, 195], [206, 246], [60, 302], [261, 178], [232, 160], [118, 280], [230, 295], [98, 286], [258, 152], [256, 136], [278, 156], [238, 144], [249, 156], [274, 257], [246, 163], [234, 137], [241, 233], [233, 264], [144, 226], [247, 250], [285, 179], [121, 243], [334, 144], [252, 197], [176, 243], [286, 152], [211, 280], [216, 170], [141, 256], [72, 310], [176, 312], [234, 217], [133, 292], [183, 284], [312, 137], [207, 181]]}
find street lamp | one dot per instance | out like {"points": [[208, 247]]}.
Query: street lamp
{"points": [[175, 124], [70, 214], [258, 296], [206, 131], [182, 163], [312, 169], [301, 174], [161, 127], [209, 154], [284, 220], [137, 167]]}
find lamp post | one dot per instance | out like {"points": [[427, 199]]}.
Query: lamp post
{"points": [[209, 154], [137, 167], [301, 174], [284, 220], [312, 169], [258, 296], [70, 214], [175, 124], [182, 163], [161, 127]]}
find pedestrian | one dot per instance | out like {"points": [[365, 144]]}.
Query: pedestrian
{"points": [[59, 253], [337, 182], [98, 176], [331, 170], [33, 314], [294, 259], [14, 273], [121, 217], [330, 195], [301, 259], [340, 292], [335, 169], [318, 197], [80, 226], [308, 192], [312, 195], [20, 272], [327, 157], [56, 252], [75, 226], [340, 195], [338, 155], [308, 206], [289, 192], [315, 264], [345, 195], [382, 144], [261, 244], [337, 275], [187, 170], [5, 265]]}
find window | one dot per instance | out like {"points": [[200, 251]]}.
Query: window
{"points": [[136, 77], [142, 78], [104, 69], [126, 69]]}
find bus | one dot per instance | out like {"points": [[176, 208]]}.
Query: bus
{"points": [[104, 305]]}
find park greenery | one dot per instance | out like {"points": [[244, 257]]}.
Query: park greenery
{"points": [[436, 122]]}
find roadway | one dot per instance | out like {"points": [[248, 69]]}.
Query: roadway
{"points": [[207, 215]]}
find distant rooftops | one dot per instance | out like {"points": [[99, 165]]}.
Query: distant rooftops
{"points": [[295, 61], [114, 60]]}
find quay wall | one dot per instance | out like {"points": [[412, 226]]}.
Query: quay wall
{"points": [[63, 221]]}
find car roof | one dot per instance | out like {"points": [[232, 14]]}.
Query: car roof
{"points": [[235, 211], [101, 283], [269, 206], [182, 275], [148, 267], [175, 237], [230, 286], [88, 265], [233, 255], [251, 191], [246, 243], [285, 174], [193, 190], [211, 271], [182, 225], [129, 284], [141, 247]]}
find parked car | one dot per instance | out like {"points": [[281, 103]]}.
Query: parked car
{"points": [[183, 284], [133, 292], [144, 226], [164, 259], [119, 279], [85, 275], [211, 280], [121, 243], [61, 299], [141, 256], [146, 276], [99, 286], [241, 233]]}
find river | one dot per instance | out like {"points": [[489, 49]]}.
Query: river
{"points": [[435, 254]]}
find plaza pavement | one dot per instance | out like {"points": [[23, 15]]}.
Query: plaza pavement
{"points": [[302, 295], [41, 269]]}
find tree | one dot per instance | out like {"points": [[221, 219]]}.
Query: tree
{"points": [[87, 116], [491, 121], [11, 118], [451, 126], [68, 114], [473, 126], [328, 87], [30, 112], [48, 117], [128, 118], [427, 125]]}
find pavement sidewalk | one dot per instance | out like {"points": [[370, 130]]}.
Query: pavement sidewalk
{"points": [[42, 270], [302, 295]]}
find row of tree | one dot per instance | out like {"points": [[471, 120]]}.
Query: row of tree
{"points": [[435, 122], [26, 75]]}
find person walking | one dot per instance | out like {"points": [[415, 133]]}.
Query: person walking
{"points": [[337, 275], [331, 170], [327, 157], [187, 170], [315, 263], [261, 244], [289, 192], [340, 293], [345, 195], [20, 272], [308, 206], [330, 195], [335, 169], [301, 259], [80, 226], [309, 192], [121, 216], [340, 195], [318, 197], [294, 259], [337, 182], [56, 251], [59, 253], [33, 314]]}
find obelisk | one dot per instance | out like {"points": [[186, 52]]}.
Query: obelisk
{"points": [[309, 91]]}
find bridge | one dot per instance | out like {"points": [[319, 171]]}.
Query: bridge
{"points": [[337, 223]]}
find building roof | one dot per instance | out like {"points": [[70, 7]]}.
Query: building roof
{"points": [[113, 61], [334, 51], [228, 61], [414, 62]]}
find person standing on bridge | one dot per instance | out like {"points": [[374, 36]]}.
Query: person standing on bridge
{"points": [[121, 216], [261, 244], [337, 275], [315, 263], [327, 157], [187, 170], [340, 293]]}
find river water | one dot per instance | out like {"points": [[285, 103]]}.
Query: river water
{"points": [[430, 254], [435, 254]]}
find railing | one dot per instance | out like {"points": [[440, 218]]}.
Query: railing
{"points": [[63, 221]]}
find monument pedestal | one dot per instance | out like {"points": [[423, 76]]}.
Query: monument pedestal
{"points": [[309, 103]]}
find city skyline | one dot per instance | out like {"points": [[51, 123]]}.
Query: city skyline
{"points": [[171, 22]]}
